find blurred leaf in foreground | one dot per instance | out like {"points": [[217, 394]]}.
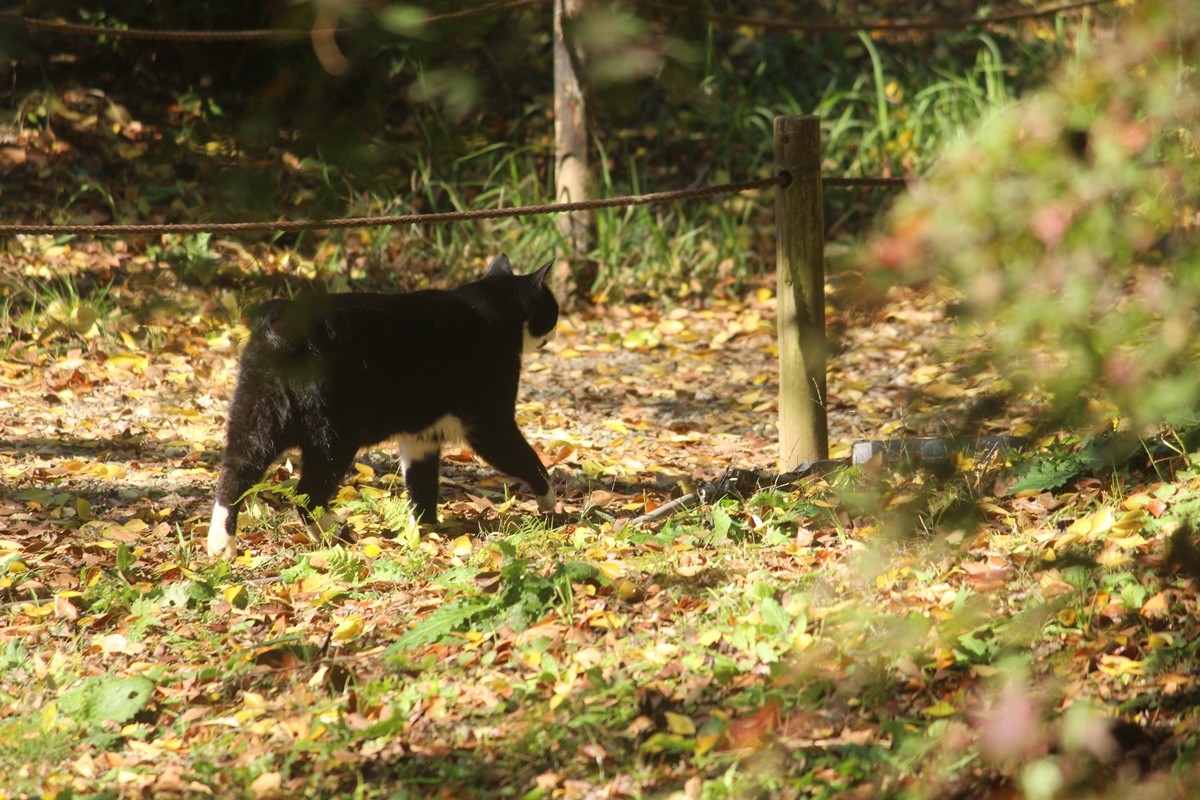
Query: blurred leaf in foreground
{"points": [[1068, 223]]}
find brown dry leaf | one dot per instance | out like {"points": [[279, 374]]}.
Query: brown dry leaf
{"points": [[989, 574], [1158, 606]]}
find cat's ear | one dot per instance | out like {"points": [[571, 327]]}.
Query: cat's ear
{"points": [[499, 266], [539, 277]]}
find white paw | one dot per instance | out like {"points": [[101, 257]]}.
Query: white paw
{"points": [[220, 543], [547, 502]]}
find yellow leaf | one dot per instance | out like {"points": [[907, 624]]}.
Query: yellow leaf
{"points": [[318, 677], [592, 468], [670, 327], [1079, 528], [30, 610], [616, 425], [708, 637], [461, 546], [679, 724], [365, 472], [1136, 502], [994, 509], [104, 471], [236, 595], [317, 582], [706, 742], [348, 629], [605, 619], [611, 569], [1161, 639], [940, 709], [129, 361], [1128, 542], [1112, 558], [1119, 666], [1102, 521], [625, 588], [253, 701], [1129, 524], [266, 785], [943, 391], [48, 718]]}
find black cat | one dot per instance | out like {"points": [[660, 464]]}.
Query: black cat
{"points": [[333, 373]]}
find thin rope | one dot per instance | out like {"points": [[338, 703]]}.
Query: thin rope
{"points": [[868, 182], [289, 226], [255, 35], [883, 26]]}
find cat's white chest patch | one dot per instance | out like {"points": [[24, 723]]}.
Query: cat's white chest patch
{"points": [[532, 342], [416, 446]]}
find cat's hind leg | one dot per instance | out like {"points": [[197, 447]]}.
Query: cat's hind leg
{"points": [[257, 434], [502, 445], [322, 466], [421, 479]]}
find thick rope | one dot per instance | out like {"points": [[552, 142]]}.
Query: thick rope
{"points": [[278, 34], [880, 26], [289, 226]]}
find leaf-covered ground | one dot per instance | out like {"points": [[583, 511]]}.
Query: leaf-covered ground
{"points": [[864, 633]]}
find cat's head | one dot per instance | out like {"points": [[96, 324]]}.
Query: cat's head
{"points": [[536, 301]]}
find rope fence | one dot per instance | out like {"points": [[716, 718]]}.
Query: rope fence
{"points": [[255, 35], [436, 218], [869, 183], [291, 226], [881, 26], [293, 34]]}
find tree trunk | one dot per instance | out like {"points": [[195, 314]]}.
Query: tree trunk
{"points": [[571, 176]]}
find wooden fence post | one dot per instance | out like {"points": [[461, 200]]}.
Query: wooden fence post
{"points": [[800, 269]]}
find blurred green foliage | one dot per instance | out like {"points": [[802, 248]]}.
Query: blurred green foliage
{"points": [[1068, 221]]}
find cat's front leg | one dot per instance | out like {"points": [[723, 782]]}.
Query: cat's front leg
{"points": [[503, 446], [222, 543], [547, 502]]}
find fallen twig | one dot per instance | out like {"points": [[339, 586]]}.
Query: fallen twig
{"points": [[734, 483]]}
